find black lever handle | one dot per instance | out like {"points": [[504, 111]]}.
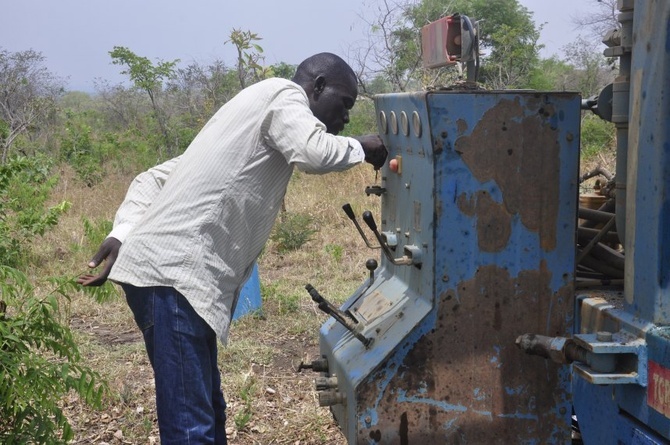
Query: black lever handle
{"points": [[350, 213], [371, 265], [337, 314], [370, 221]]}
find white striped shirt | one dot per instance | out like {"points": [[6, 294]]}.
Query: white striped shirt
{"points": [[198, 222]]}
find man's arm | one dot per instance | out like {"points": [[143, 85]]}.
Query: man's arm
{"points": [[141, 193], [291, 128]]}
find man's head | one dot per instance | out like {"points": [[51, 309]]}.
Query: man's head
{"points": [[331, 87]]}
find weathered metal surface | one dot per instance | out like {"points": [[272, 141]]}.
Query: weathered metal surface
{"points": [[493, 207], [464, 382]]}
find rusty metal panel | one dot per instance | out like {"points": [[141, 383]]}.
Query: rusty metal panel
{"points": [[505, 169]]}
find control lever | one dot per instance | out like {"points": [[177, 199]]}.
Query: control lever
{"points": [[350, 213], [337, 314], [405, 260], [371, 265]]}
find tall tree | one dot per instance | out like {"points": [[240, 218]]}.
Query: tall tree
{"points": [[592, 69], [28, 94], [149, 78], [508, 40]]}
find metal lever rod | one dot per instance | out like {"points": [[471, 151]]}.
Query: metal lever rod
{"points": [[337, 314], [370, 221], [350, 213]]}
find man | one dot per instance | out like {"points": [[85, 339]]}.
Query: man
{"points": [[188, 232]]}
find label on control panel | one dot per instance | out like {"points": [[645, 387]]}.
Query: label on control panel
{"points": [[658, 389]]}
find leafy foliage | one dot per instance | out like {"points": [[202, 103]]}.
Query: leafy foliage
{"points": [[597, 135], [292, 231], [149, 78], [39, 364], [25, 184], [249, 57], [508, 39], [80, 151]]}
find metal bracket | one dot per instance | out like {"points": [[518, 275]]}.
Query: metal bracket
{"points": [[625, 353]]}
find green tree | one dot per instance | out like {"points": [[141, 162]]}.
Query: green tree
{"points": [[283, 70], [508, 41], [249, 57], [551, 74], [149, 78], [592, 70]]}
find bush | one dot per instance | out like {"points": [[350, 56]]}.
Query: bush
{"points": [[292, 231], [25, 185], [596, 135], [39, 364]]}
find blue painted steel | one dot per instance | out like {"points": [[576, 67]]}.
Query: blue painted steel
{"points": [[647, 287], [443, 366], [640, 412]]}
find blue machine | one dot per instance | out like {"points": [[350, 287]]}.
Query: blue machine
{"points": [[482, 262]]}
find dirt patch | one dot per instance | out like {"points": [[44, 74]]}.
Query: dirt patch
{"points": [[105, 335]]}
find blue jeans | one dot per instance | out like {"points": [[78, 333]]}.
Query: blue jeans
{"points": [[182, 350]]}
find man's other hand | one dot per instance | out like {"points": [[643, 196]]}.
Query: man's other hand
{"points": [[375, 151], [108, 251]]}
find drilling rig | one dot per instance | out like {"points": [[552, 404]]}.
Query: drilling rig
{"points": [[498, 310]]}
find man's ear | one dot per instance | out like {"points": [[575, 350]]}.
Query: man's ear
{"points": [[319, 85]]}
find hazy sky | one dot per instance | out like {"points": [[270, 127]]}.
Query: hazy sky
{"points": [[76, 36]]}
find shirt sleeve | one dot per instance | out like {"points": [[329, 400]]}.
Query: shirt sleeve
{"points": [[141, 193], [290, 127]]}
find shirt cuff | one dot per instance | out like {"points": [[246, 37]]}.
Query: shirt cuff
{"points": [[120, 232], [356, 150]]}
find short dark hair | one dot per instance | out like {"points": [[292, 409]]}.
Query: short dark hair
{"points": [[323, 64]]}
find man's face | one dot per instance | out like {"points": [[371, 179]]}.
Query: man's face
{"points": [[331, 102]]}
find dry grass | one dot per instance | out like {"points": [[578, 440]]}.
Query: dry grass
{"points": [[268, 402]]}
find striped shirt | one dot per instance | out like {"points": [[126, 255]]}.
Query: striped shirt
{"points": [[197, 222]]}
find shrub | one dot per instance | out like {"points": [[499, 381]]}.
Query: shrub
{"points": [[596, 135], [292, 231], [25, 185], [39, 364]]}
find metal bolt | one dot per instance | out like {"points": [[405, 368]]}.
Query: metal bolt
{"points": [[604, 336]]}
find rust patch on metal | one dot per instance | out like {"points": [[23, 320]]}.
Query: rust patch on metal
{"points": [[462, 126], [517, 147], [494, 223], [465, 381]]}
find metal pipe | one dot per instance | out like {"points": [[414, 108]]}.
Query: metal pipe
{"points": [[594, 215], [620, 115], [584, 235], [596, 239]]}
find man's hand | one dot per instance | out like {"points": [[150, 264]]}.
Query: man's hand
{"points": [[375, 151], [109, 250]]}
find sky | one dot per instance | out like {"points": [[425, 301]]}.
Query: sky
{"points": [[75, 36]]}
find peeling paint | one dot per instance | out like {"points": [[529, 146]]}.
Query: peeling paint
{"points": [[526, 145]]}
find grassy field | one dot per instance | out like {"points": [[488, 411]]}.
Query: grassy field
{"points": [[268, 401]]}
